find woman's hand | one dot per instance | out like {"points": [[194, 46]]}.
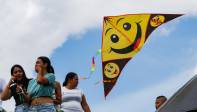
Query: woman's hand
{"points": [[12, 79], [19, 89], [40, 70], [40, 76]]}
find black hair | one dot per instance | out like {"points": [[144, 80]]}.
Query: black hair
{"points": [[69, 76], [162, 97], [46, 60], [24, 81]]}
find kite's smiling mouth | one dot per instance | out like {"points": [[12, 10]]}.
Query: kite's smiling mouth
{"points": [[123, 50], [132, 46]]}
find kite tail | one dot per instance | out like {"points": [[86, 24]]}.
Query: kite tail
{"points": [[93, 66]]}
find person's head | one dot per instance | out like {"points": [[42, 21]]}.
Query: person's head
{"points": [[44, 63], [18, 72], [159, 101], [72, 79]]}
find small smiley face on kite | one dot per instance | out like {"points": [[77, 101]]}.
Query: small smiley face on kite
{"points": [[111, 70], [157, 20]]}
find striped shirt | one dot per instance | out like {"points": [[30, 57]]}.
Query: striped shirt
{"points": [[71, 100], [36, 90]]}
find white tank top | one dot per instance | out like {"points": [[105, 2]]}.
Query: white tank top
{"points": [[71, 100]]}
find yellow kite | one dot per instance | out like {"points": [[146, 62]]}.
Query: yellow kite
{"points": [[123, 36]]}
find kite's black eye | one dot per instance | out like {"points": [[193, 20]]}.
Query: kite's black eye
{"points": [[127, 26], [114, 38]]}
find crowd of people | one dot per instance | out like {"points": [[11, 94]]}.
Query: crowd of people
{"points": [[44, 93]]}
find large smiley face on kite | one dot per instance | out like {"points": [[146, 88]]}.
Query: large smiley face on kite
{"points": [[127, 49], [123, 37]]}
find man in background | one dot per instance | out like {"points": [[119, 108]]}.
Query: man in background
{"points": [[159, 101]]}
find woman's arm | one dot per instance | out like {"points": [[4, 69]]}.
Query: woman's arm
{"points": [[6, 93], [84, 104], [58, 93]]}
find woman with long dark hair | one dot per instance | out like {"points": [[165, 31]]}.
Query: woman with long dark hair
{"points": [[73, 99], [17, 87], [41, 89]]}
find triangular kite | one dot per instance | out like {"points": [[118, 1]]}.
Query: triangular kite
{"points": [[123, 36]]}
